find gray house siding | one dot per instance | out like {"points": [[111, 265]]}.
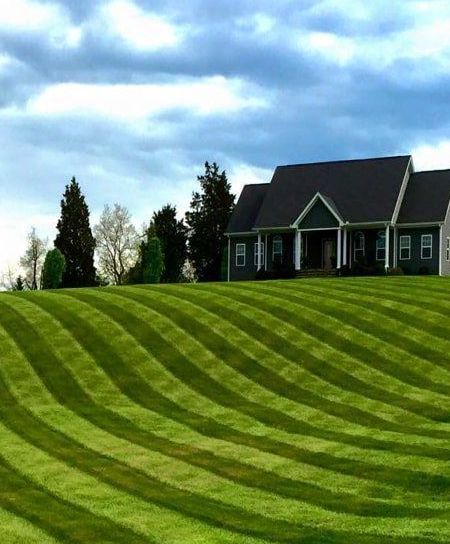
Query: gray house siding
{"points": [[417, 265], [318, 217], [445, 234]]}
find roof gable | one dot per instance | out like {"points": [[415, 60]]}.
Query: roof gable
{"points": [[320, 212], [426, 198], [362, 190], [247, 208]]}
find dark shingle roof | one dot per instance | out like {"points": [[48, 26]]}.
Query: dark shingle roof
{"points": [[426, 197], [247, 208], [362, 190]]}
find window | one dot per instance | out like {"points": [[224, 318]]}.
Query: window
{"points": [[256, 253], [447, 250], [277, 248], [426, 246], [405, 248], [381, 246], [359, 245], [240, 254]]}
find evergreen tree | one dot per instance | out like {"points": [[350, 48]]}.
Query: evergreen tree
{"points": [[19, 284], [53, 270], [153, 261], [75, 240], [207, 220], [172, 234]]}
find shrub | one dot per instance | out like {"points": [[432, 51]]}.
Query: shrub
{"points": [[396, 271]]}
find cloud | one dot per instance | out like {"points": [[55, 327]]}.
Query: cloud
{"points": [[202, 96], [142, 30], [47, 19], [432, 157]]}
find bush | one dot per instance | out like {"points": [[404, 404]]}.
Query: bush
{"points": [[396, 271]]}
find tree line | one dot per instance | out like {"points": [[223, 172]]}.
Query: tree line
{"points": [[168, 249]]}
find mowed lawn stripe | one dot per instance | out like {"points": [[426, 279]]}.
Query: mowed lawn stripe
{"points": [[423, 311], [245, 295], [187, 315], [360, 313], [55, 516], [257, 325], [414, 480], [177, 363], [241, 473]]}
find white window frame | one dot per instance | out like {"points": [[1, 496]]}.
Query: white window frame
{"points": [[381, 235], [277, 240], [408, 247], [359, 252], [256, 252], [423, 246], [447, 249], [240, 245]]}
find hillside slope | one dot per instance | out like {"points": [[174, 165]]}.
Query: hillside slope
{"points": [[311, 411]]}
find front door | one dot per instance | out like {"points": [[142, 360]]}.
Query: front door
{"points": [[328, 254]]}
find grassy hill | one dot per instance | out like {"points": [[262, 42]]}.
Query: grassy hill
{"points": [[311, 411]]}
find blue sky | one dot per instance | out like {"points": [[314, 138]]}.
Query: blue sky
{"points": [[132, 97]]}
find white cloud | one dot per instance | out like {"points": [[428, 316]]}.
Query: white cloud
{"points": [[46, 18], [16, 220], [140, 29], [243, 174], [133, 102], [432, 157]]}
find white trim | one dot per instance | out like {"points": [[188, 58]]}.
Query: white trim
{"points": [[440, 250], [422, 247], [339, 249], [228, 259], [298, 248], [404, 236], [418, 225], [244, 254], [259, 253], [387, 248], [308, 208], [401, 194], [247, 233], [320, 229]]}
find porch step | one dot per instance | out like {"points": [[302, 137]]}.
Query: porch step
{"points": [[315, 272]]}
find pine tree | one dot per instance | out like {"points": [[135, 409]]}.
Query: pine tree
{"points": [[19, 284], [53, 270], [153, 261], [207, 221], [172, 234], [75, 240]]}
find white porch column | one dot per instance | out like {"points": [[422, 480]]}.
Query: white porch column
{"points": [[338, 252], [386, 262], [298, 249], [229, 258], [259, 252], [344, 258]]}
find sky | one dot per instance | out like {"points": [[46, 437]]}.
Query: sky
{"points": [[132, 97]]}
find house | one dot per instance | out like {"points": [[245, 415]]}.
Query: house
{"points": [[376, 213]]}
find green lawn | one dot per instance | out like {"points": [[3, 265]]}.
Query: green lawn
{"points": [[310, 411]]}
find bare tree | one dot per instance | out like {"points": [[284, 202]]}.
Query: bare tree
{"points": [[116, 243], [9, 279], [33, 259]]}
